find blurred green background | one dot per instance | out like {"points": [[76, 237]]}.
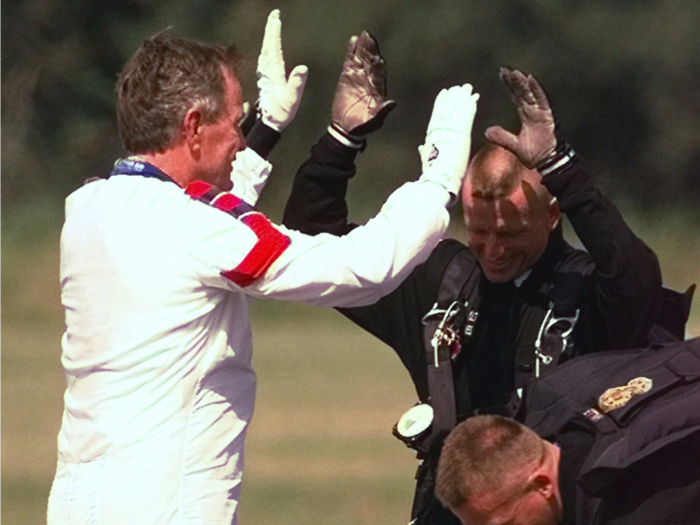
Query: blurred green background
{"points": [[622, 76]]}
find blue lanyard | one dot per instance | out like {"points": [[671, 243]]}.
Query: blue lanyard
{"points": [[131, 166]]}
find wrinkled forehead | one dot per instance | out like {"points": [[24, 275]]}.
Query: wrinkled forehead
{"points": [[233, 90]]}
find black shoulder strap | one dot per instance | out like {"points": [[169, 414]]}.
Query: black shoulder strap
{"points": [[555, 337], [561, 298], [442, 339]]}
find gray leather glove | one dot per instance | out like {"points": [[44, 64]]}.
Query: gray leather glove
{"points": [[536, 141], [360, 104]]}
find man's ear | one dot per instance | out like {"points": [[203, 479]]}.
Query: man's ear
{"points": [[543, 483], [553, 214], [192, 129]]}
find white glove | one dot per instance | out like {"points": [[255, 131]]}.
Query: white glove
{"points": [[445, 153], [279, 96]]}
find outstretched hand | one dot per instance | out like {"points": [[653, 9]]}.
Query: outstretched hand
{"points": [[360, 104], [279, 96], [536, 139], [445, 153]]}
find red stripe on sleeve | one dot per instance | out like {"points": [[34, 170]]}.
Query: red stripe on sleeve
{"points": [[226, 201], [197, 189], [271, 244]]}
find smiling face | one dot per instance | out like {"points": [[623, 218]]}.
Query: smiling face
{"points": [[509, 216], [508, 234]]}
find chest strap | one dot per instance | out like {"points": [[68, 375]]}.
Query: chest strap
{"points": [[443, 336], [555, 337]]}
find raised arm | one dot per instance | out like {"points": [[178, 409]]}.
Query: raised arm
{"points": [[279, 96], [252, 255], [317, 202], [627, 273]]}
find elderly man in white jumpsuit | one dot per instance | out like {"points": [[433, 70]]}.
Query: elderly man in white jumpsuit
{"points": [[156, 263]]}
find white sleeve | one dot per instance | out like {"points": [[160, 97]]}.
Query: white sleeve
{"points": [[249, 174], [253, 256], [368, 263]]}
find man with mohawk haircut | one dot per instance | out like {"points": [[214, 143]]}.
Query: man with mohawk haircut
{"points": [[473, 323]]}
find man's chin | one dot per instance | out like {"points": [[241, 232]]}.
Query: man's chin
{"points": [[499, 275], [498, 278]]}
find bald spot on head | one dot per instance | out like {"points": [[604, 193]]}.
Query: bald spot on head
{"points": [[496, 173]]}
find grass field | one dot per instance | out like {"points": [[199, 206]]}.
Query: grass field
{"points": [[319, 450]]}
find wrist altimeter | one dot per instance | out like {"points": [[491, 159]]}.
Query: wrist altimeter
{"points": [[414, 425]]}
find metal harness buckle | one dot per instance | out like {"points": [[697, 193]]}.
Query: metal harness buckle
{"points": [[444, 335], [565, 336]]}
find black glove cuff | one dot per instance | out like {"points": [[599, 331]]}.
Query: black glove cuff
{"points": [[342, 136], [262, 138], [252, 113], [560, 159]]}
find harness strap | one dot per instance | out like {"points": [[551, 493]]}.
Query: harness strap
{"points": [[555, 336], [443, 340], [439, 340]]}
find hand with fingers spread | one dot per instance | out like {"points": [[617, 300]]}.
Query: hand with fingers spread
{"points": [[445, 153], [536, 140], [280, 95], [360, 104]]}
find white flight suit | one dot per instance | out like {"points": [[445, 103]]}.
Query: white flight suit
{"points": [[157, 347]]}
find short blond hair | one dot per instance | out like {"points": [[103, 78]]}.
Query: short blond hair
{"points": [[481, 454]]}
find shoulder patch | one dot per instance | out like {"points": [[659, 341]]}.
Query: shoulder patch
{"points": [[271, 243], [619, 396]]}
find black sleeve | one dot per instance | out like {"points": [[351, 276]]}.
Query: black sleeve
{"points": [[261, 138], [396, 319], [627, 276], [317, 202]]}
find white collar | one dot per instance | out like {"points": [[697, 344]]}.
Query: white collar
{"points": [[519, 281]]}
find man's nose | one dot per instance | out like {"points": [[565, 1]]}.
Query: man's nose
{"points": [[493, 248]]}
